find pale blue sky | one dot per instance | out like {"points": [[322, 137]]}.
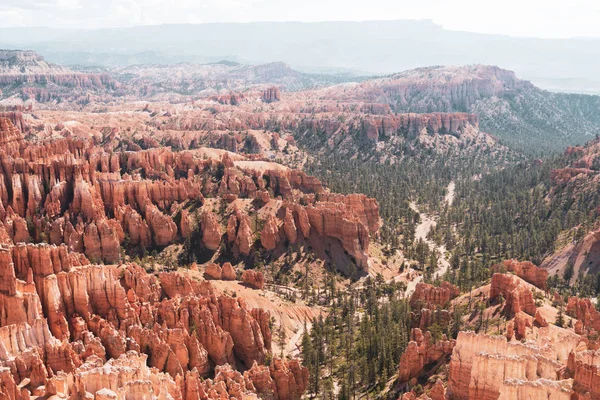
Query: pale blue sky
{"points": [[539, 18]]}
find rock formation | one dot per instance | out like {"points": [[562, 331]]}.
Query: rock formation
{"points": [[585, 312], [430, 296], [489, 367], [112, 205], [421, 351], [528, 272], [517, 295], [253, 278], [80, 328], [270, 95]]}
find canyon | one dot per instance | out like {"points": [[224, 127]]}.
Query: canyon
{"points": [[199, 232]]}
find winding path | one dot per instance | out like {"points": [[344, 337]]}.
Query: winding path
{"points": [[421, 232]]}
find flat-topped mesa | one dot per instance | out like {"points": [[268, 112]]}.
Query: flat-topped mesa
{"points": [[232, 99], [27, 75], [336, 220], [63, 79], [20, 56], [489, 367], [515, 292], [529, 272], [430, 296], [448, 88]]}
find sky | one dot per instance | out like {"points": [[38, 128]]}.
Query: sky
{"points": [[534, 18]]}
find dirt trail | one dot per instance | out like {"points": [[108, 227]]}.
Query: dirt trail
{"points": [[421, 231]]}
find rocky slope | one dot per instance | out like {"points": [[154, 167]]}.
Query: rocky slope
{"points": [[26, 77], [70, 328], [180, 82], [69, 191], [537, 354], [576, 181], [522, 115]]}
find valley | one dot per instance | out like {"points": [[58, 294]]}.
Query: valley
{"points": [[212, 231]]}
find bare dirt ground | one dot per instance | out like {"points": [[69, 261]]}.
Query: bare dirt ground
{"points": [[421, 231], [293, 316]]}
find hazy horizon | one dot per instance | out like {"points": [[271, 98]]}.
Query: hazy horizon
{"points": [[515, 18], [417, 20], [360, 48]]}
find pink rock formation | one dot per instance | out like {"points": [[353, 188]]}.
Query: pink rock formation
{"points": [[430, 296], [583, 310], [211, 230], [253, 278], [517, 295], [489, 367], [68, 317], [270, 95], [229, 273], [528, 272], [422, 351]]}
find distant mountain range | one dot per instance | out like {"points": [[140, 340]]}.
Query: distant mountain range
{"points": [[360, 48], [522, 116]]}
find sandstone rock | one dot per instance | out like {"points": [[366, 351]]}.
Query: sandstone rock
{"points": [[477, 360], [253, 278], [213, 271], [584, 311], [289, 226], [244, 238], [270, 95], [229, 273], [114, 312], [211, 230], [540, 320], [521, 323], [517, 295], [528, 272], [430, 296], [422, 351], [270, 234]]}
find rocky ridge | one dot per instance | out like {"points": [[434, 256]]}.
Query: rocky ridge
{"points": [[93, 201]]}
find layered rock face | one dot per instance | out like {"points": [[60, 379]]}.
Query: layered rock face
{"points": [[517, 295], [585, 312], [68, 191], [71, 328], [270, 95], [413, 125], [448, 88], [16, 118], [430, 296], [421, 351], [25, 73], [489, 367], [528, 272], [429, 303]]}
